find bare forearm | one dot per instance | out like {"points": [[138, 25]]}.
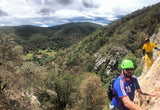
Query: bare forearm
{"points": [[144, 93], [133, 106], [157, 48], [141, 91], [129, 104]]}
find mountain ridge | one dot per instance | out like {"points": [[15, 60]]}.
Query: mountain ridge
{"points": [[54, 37]]}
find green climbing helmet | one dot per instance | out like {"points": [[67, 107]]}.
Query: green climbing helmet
{"points": [[127, 64]]}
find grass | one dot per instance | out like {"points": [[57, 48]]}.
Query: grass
{"points": [[39, 54], [29, 56], [48, 52]]}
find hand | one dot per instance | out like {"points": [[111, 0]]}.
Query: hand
{"points": [[156, 94], [143, 58]]}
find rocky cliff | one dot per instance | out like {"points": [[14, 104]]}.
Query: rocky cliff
{"points": [[150, 81], [109, 56]]}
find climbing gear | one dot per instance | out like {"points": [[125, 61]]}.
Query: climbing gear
{"points": [[127, 64], [110, 87], [150, 54]]}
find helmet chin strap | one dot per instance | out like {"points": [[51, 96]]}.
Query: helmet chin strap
{"points": [[128, 76]]}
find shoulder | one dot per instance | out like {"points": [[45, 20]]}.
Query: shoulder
{"points": [[119, 80], [144, 46], [135, 80], [119, 87], [152, 44], [134, 77]]}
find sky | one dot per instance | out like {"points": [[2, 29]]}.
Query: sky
{"points": [[46, 13]]}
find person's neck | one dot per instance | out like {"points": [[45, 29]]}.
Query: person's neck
{"points": [[127, 78], [148, 43]]}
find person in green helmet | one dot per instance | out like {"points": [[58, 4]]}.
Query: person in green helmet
{"points": [[124, 88]]}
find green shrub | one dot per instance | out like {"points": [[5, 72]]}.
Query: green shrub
{"points": [[138, 71], [65, 87]]}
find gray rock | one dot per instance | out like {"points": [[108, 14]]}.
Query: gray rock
{"points": [[109, 56]]}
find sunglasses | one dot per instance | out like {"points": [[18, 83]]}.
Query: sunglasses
{"points": [[129, 69]]}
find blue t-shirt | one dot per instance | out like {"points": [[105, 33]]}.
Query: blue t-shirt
{"points": [[123, 88]]}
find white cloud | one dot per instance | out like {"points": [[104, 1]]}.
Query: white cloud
{"points": [[65, 13], [18, 8], [43, 25], [2, 24], [53, 12]]}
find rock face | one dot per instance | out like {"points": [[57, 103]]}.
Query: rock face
{"points": [[109, 56], [156, 40], [150, 81]]}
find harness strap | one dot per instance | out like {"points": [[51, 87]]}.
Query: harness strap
{"points": [[150, 54]]}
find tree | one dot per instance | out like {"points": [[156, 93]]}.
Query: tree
{"points": [[65, 87], [10, 53], [92, 94]]}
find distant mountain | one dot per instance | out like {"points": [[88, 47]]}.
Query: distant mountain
{"points": [[56, 37]]}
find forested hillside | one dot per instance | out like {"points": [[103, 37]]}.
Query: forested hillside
{"points": [[33, 38], [75, 77]]}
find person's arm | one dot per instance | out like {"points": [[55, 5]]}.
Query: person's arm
{"points": [[141, 91], [129, 104], [143, 54], [157, 48]]}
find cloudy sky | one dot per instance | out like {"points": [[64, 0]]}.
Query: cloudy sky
{"points": [[55, 12]]}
